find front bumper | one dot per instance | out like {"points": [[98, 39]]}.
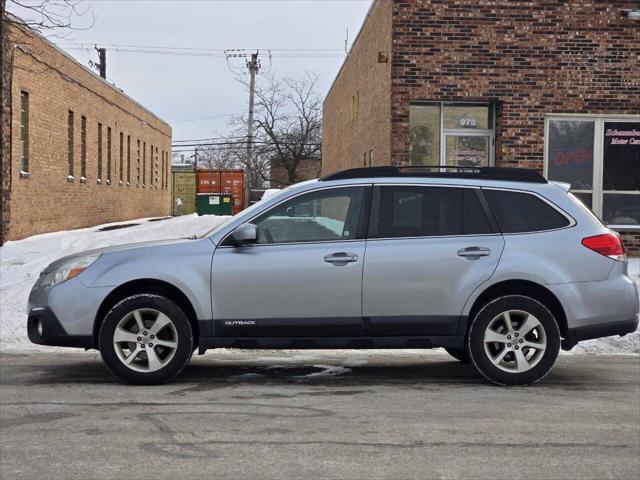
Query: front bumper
{"points": [[622, 328], [43, 328]]}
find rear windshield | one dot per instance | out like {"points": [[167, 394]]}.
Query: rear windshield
{"points": [[519, 212]]}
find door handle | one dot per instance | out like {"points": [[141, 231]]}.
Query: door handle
{"points": [[474, 253], [341, 258]]}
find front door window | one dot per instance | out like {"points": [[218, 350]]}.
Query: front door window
{"points": [[322, 216], [467, 150]]}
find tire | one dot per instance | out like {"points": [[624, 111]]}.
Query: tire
{"points": [[521, 355], [459, 354], [131, 355]]}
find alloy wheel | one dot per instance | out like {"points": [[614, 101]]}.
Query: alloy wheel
{"points": [[145, 340], [515, 341]]}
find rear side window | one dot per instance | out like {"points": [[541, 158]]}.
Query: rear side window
{"points": [[518, 212], [414, 211]]}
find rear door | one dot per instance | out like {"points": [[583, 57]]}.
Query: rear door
{"points": [[429, 247]]}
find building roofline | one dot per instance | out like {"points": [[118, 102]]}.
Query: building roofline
{"points": [[20, 23], [355, 41]]}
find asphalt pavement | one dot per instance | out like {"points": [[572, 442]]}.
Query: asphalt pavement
{"points": [[316, 415]]}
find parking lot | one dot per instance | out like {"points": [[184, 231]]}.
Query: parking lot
{"points": [[241, 414]]}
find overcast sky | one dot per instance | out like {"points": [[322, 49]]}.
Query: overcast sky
{"points": [[182, 88]]}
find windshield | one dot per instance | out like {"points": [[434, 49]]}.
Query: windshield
{"points": [[245, 212]]}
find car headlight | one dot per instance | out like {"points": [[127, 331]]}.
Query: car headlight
{"points": [[67, 270]]}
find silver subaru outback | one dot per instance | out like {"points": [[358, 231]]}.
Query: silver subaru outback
{"points": [[498, 266]]}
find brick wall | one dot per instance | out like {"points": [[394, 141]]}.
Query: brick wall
{"points": [[307, 169], [357, 110], [631, 241], [531, 58], [45, 200], [5, 128]]}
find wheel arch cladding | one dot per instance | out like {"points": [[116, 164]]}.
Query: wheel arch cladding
{"points": [[142, 286], [526, 288]]}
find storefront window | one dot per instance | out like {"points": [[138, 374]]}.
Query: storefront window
{"points": [[586, 198], [621, 209], [621, 173], [600, 158], [464, 130], [425, 134], [571, 152]]}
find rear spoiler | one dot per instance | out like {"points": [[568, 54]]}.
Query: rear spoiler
{"points": [[563, 185]]}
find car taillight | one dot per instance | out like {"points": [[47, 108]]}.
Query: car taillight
{"points": [[607, 244]]}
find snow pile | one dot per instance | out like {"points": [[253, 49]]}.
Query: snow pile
{"points": [[22, 261]]}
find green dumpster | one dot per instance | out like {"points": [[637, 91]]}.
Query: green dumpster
{"points": [[214, 203]]}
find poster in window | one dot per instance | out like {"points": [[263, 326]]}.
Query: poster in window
{"points": [[621, 156], [571, 152]]}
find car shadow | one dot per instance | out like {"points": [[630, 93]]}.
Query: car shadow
{"points": [[208, 372], [211, 372]]}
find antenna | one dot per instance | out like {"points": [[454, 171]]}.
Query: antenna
{"points": [[346, 43]]}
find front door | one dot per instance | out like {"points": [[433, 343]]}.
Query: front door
{"points": [[304, 276], [467, 150], [429, 248]]}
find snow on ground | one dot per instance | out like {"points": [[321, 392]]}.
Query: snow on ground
{"points": [[22, 261]]}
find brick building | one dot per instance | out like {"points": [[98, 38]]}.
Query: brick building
{"points": [[81, 152], [550, 85]]}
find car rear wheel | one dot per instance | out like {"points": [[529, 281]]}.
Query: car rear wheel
{"points": [[146, 339], [459, 354], [514, 340]]}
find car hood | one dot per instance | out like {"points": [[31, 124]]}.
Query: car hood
{"points": [[116, 248]]}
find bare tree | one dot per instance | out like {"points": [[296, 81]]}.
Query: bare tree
{"points": [[216, 158], [289, 123], [47, 17], [287, 131]]}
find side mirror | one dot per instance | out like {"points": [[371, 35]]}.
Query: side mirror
{"points": [[244, 235]]}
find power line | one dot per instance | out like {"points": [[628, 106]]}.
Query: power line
{"points": [[221, 50], [235, 1], [202, 118], [208, 139], [209, 55], [243, 143]]}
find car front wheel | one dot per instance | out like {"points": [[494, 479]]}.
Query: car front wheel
{"points": [[146, 339], [514, 340]]}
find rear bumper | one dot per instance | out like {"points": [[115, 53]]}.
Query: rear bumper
{"points": [[621, 328], [592, 304], [43, 328]]}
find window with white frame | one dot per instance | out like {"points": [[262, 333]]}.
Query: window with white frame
{"points": [[600, 157], [452, 134]]}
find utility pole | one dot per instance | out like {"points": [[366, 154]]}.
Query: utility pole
{"points": [[102, 66], [195, 162], [253, 66]]}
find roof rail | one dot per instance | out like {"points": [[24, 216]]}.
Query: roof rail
{"points": [[480, 173]]}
